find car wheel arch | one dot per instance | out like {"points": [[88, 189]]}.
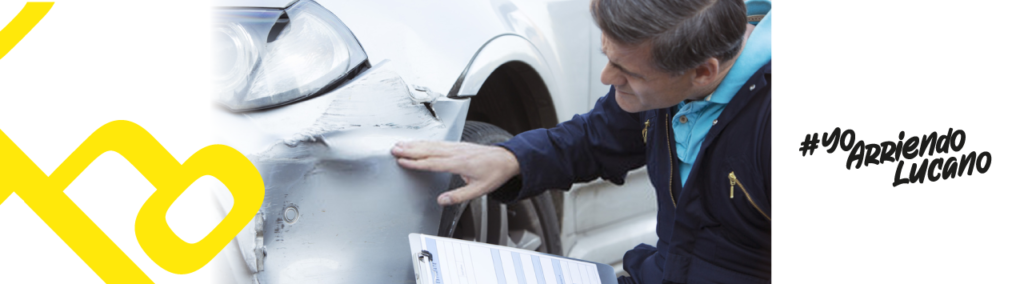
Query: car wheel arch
{"points": [[511, 86], [513, 59]]}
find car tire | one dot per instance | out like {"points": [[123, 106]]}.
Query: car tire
{"points": [[530, 223]]}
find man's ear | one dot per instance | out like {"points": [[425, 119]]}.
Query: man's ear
{"points": [[706, 72]]}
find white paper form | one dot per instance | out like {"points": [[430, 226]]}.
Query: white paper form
{"points": [[461, 262]]}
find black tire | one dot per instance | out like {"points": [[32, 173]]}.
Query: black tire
{"points": [[485, 220]]}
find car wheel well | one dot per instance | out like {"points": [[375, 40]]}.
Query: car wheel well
{"points": [[515, 98]]}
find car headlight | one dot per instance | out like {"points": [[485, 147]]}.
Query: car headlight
{"points": [[268, 57]]}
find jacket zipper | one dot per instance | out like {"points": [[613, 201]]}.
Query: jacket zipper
{"points": [[671, 162], [733, 181]]}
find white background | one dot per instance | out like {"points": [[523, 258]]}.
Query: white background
{"points": [[881, 67], [877, 67]]}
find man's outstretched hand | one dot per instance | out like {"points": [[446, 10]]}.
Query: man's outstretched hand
{"points": [[484, 168]]}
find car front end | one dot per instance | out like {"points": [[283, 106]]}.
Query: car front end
{"points": [[298, 96]]}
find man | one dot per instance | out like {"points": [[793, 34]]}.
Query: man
{"points": [[685, 102]]}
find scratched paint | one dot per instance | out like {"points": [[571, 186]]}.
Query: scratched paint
{"points": [[329, 158]]}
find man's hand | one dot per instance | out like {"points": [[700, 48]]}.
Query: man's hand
{"points": [[484, 168]]}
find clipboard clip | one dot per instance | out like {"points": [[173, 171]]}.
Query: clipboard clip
{"points": [[425, 253], [426, 266]]}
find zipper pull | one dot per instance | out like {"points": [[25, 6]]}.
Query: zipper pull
{"points": [[644, 133], [732, 183]]}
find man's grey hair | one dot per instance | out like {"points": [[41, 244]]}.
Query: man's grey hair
{"points": [[682, 33]]}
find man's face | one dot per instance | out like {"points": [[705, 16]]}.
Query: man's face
{"points": [[640, 86]]}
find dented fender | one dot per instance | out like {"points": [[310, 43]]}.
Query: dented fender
{"points": [[337, 204]]}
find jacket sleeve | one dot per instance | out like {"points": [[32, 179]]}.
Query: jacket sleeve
{"points": [[605, 142]]}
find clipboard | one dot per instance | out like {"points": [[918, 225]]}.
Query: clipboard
{"points": [[441, 260]]}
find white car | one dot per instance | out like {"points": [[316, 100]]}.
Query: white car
{"points": [[316, 94]]}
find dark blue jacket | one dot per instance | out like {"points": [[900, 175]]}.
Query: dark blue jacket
{"points": [[705, 236]]}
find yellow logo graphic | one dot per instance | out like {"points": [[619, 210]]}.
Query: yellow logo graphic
{"points": [[21, 24], [45, 195]]}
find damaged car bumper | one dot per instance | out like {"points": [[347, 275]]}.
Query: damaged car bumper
{"points": [[338, 208]]}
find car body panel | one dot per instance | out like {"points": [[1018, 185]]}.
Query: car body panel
{"points": [[334, 147], [604, 220], [433, 49], [323, 162], [277, 4], [500, 50]]}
